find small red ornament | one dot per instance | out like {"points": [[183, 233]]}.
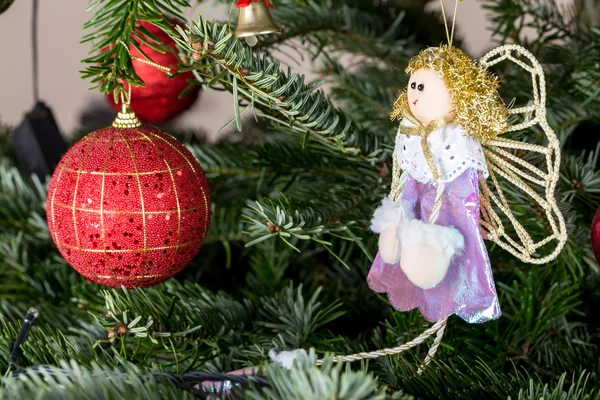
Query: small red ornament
{"points": [[596, 235], [158, 101], [128, 206], [246, 3]]}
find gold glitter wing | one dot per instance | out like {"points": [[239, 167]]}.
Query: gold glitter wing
{"points": [[528, 171]]}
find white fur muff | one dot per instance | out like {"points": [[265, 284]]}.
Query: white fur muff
{"points": [[426, 249]]}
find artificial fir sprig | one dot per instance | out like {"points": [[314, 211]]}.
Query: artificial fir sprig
{"points": [[545, 346], [115, 25], [275, 93]]}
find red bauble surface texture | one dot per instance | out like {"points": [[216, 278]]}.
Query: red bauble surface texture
{"points": [[158, 101], [128, 207], [596, 235]]}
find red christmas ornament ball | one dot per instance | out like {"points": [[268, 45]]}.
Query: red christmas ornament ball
{"points": [[128, 207], [596, 235], [158, 101]]}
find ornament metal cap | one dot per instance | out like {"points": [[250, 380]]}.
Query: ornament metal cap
{"points": [[126, 118], [255, 19]]}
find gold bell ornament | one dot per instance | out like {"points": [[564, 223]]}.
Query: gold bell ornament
{"points": [[254, 19]]}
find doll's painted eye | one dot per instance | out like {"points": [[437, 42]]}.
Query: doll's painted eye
{"points": [[421, 87], [413, 85]]}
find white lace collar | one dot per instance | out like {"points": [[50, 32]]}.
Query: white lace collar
{"points": [[452, 149]]}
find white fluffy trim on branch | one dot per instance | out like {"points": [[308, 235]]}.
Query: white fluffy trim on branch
{"points": [[286, 358]]}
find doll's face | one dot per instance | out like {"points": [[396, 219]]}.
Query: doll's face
{"points": [[428, 97]]}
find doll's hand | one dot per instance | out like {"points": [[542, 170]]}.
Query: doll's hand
{"points": [[389, 245], [386, 221]]}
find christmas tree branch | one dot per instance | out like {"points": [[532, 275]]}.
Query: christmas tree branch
{"points": [[115, 26], [344, 28], [299, 216], [368, 102], [284, 198], [21, 202], [550, 22], [271, 91]]}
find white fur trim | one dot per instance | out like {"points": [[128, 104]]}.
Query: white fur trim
{"points": [[447, 239], [286, 358], [389, 213]]}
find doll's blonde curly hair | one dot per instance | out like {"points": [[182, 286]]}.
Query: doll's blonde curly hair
{"points": [[478, 106]]}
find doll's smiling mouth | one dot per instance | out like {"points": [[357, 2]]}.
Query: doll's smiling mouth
{"points": [[415, 102]]}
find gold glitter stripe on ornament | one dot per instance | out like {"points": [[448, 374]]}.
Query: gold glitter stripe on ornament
{"points": [[73, 207], [141, 250], [176, 199], [137, 139], [123, 278], [89, 210], [139, 182], [160, 171], [106, 157], [196, 174]]}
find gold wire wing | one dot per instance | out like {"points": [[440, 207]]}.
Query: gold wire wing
{"points": [[507, 162]]}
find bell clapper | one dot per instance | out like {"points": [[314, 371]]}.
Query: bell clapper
{"points": [[251, 40]]}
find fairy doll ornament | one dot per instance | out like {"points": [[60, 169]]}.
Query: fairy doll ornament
{"points": [[456, 163], [431, 250], [453, 160]]}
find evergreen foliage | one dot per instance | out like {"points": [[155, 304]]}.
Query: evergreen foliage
{"points": [[284, 264]]}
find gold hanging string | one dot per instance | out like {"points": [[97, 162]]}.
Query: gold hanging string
{"points": [[453, 22], [445, 21], [164, 69], [449, 34], [230, 12], [126, 118], [126, 100], [438, 328]]}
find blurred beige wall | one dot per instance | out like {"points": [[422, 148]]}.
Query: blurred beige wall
{"points": [[60, 55]]}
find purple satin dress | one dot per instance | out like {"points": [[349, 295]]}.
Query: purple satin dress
{"points": [[468, 288]]}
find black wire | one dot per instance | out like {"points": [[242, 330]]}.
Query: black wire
{"points": [[34, 48], [16, 352], [190, 382]]}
